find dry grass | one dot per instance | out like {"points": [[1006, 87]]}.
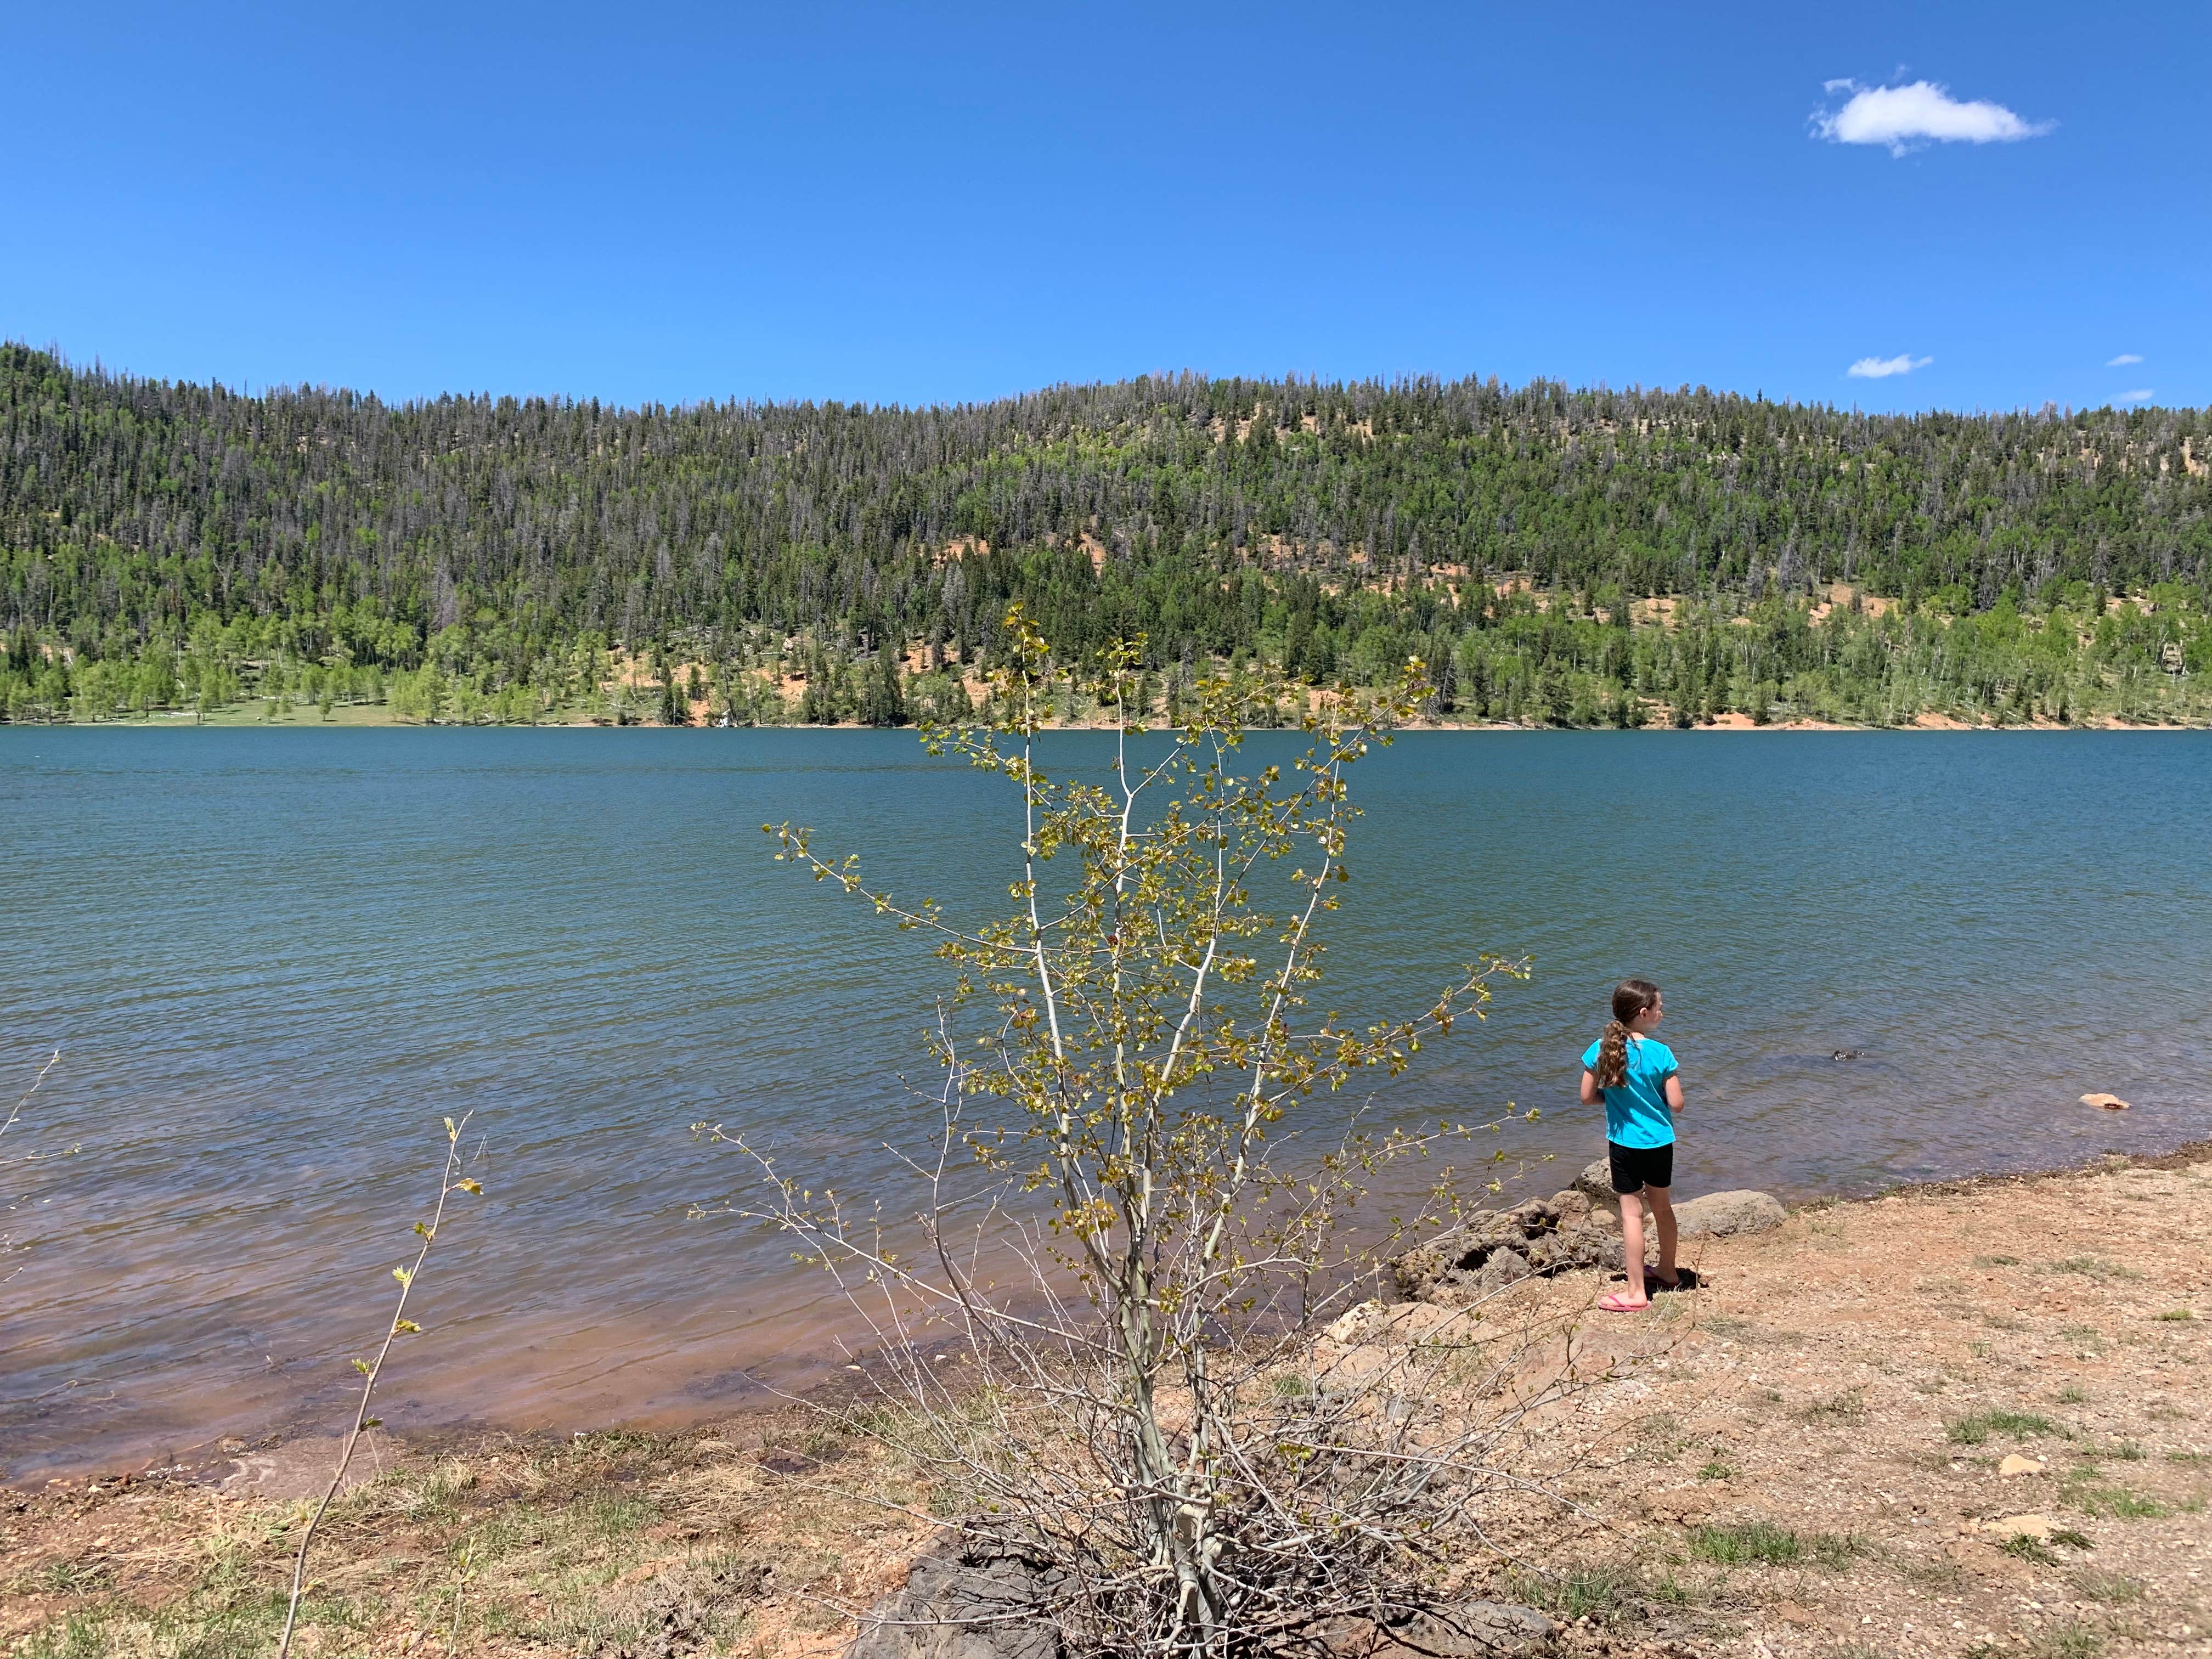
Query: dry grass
{"points": [[612, 1544]]}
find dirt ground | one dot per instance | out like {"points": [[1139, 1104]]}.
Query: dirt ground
{"points": [[1963, 1420], [1969, 1419]]}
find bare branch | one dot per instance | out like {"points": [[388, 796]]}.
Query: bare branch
{"points": [[450, 1181]]}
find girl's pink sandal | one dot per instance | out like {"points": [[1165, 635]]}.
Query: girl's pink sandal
{"points": [[1619, 1302]]}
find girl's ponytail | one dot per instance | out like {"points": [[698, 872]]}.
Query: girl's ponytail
{"points": [[1630, 997], [1613, 1056]]}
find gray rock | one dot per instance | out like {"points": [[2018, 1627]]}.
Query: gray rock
{"points": [[1542, 1235], [1489, 1229], [1463, 1248], [1586, 1246], [973, 1598], [1557, 1235], [1476, 1628], [1717, 1215], [1420, 1270], [1536, 1215], [1595, 1182], [1504, 1268]]}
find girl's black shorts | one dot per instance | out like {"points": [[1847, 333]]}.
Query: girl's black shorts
{"points": [[1635, 1168]]}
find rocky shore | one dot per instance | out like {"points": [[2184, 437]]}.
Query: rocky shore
{"points": [[1967, 1420], [1576, 1229]]}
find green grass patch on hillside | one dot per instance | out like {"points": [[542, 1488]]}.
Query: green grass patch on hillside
{"points": [[1975, 1427]]}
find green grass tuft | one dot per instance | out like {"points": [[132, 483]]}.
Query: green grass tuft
{"points": [[2068, 1641], [1595, 1593], [2113, 1589], [1761, 1543], [2093, 1497], [1977, 1426], [2091, 1266], [59, 1578], [1849, 1406]]}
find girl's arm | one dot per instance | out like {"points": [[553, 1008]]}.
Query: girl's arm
{"points": [[1592, 1095], [1673, 1091]]}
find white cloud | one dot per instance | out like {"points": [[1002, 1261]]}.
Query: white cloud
{"points": [[2141, 396], [2122, 361], [1880, 368], [1904, 116]]}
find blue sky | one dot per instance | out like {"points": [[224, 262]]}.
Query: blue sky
{"points": [[935, 203]]}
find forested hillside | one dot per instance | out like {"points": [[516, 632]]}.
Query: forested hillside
{"points": [[164, 544]]}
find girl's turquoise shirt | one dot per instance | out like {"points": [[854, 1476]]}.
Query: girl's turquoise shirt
{"points": [[1636, 1114]]}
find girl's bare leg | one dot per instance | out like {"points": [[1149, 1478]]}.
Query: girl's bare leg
{"points": [[1662, 1217], [1631, 1242]]}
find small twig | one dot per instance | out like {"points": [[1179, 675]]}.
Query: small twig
{"points": [[7, 1243], [53, 1060], [448, 1184], [460, 1581]]}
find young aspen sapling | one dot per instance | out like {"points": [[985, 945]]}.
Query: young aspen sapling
{"points": [[1125, 1409], [450, 1181]]}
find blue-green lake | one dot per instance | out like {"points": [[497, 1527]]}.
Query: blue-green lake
{"points": [[274, 960]]}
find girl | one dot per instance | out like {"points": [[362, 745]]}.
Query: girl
{"points": [[1635, 1075]]}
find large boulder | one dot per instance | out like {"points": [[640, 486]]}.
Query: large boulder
{"points": [[972, 1598], [1717, 1215], [1459, 1250], [1492, 1248]]}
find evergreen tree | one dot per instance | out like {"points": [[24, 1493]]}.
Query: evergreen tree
{"points": [[883, 696]]}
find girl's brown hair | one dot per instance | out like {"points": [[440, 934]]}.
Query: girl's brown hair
{"points": [[1630, 997]]}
